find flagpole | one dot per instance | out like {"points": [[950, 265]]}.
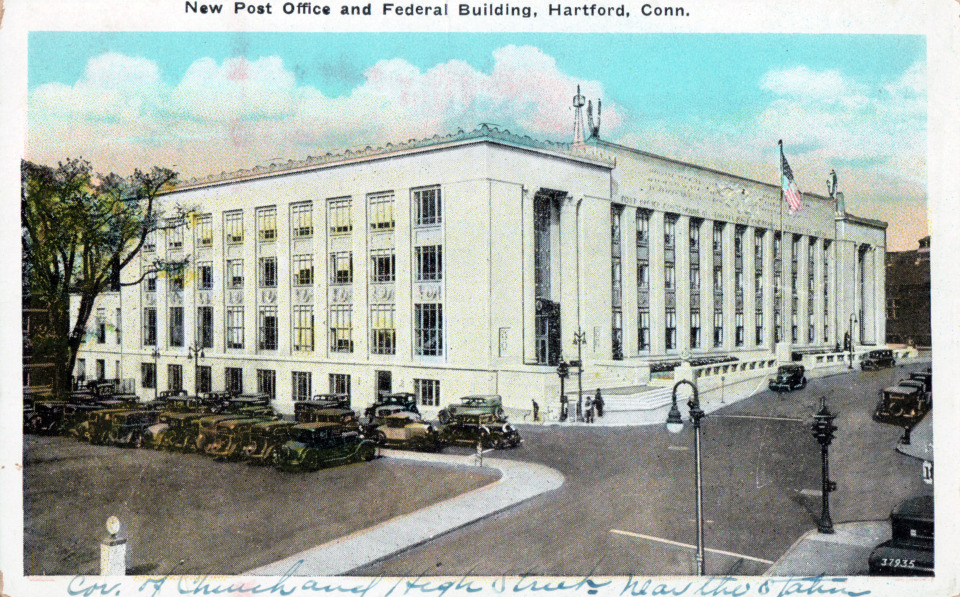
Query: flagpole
{"points": [[780, 298]]}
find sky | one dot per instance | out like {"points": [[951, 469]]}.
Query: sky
{"points": [[203, 103]]}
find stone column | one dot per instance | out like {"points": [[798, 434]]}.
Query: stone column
{"points": [[657, 300], [706, 284], [729, 288], [749, 281], [682, 267]]}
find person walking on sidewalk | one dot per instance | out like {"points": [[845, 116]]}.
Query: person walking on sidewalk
{"points": [[598, 403], [588, 409], [536, 411]]}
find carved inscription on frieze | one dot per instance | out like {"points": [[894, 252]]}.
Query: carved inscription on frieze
{"points": [[341, 294]]}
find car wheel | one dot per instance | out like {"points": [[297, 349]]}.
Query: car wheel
{"points": [[380, 438], [137, 442]]}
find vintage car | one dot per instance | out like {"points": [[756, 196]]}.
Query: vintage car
{"points": [[344, 417], [407, 430], [187, 404], [98, 427], [405, 400], [303, 410], [29, 411], [47, 418], [76, 419], [173, 431], [483, 428], [910, 550], [331, 400], [789, 377], [250, 405], [229, 439], [263, 438], [123, 428], [315, 445], [877, 359], [901, 405], [474, 405]]}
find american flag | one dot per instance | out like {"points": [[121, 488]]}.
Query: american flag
{"points": [[790, 190]]}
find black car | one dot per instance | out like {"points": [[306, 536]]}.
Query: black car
{"points": [[902, 405], [789, 377], [877, 359], [910, 551], [405, 400]]}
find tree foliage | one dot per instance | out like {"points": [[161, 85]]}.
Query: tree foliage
{"points": [[79, 230]]}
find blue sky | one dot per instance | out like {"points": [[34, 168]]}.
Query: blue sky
{"points": [[210, 102]]}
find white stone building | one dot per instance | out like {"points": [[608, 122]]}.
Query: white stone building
{"points": [[466, 264]]}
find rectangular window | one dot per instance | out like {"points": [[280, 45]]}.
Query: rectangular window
{"points": [[739, 335], [303, 270], [267, 383], [738, 241], [150, 281], [176, 326], [303, 328], [204, 378], [150, 242], [341, 267], [101, 326], [176, 280], [341, 330], [233, 377], [427, 391], [695, 329], [381, 211], [175, 377], [234, 327], [204, 230], [429, 263], [233, 227], [267, 224], [427, 206], [669, 277], [643, 228], [174, 235], [718, 279], [268, 272], [669, 232], [148, 375], [718, 329], [428, 329], [759, 322], [149, 326], [643, 329], [643, 275], [267, 329], [301, 220], [204, 276], [671, 330], [340, 384], [695, 236], [695, 279], [382, 265], [235, 273], [205, 326], [338, 215], [383, 332], [301, 386]]}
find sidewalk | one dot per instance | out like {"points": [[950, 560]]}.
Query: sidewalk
{"points": [[519, 481], [843, 553]]}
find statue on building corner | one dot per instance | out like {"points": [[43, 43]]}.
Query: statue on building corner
{"points": [[594, 127], [834, 194]]}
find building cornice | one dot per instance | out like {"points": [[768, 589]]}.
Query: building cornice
{"points": [[848, 217]]}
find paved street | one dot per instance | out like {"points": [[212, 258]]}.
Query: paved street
{"points": [[628, 499]]}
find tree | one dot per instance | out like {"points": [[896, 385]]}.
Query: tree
{"points": [[79, 230]]}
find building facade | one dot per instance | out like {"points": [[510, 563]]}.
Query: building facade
{"points": [[472, 264], [908, 296]]}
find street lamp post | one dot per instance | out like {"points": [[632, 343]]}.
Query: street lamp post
{"points": [[580, 338], [563, 370], [853, 320], [196, 352], [156, 376], [823, 429], [675, 425]]}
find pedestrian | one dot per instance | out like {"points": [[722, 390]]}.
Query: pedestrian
{"points": [[536, 411], [598, 403], [588, 409]]}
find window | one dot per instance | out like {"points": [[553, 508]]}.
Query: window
{"points": [[338, 215], [267, 383], [175, 377], [739, 333], [694, 279], [174, 235], [150, 326], [718, 279], [101, 326], [267, 329], [303, 270], [301, 386], [176, 326], [381, 211], [151, 282], [382, 265], [203, 230], [759, 322], [427, 205], [235, 273], [695, 329], [234, 327], [148, 375], [694, 236], [429, 263], [718, 329], [205, 326], [427, 391], [81, 368], [671, 330], [669, 277], [718, 237], [738, 241], [643, 227], [341, 267], [341, 331], [383, 333], [669, 232], [204, 377], [303, 328], [643, 329], [176, 280], [234, 380], [267, 224], [643, 275], [738, 280], [101, 368], [150, 242], [204, 276], [428, 329], [340, 384], [233, 227], [268, 272], [810, 333], [301, 220]]}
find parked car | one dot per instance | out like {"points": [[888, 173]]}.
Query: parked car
{"points": [[924, 376], [902, 405], [789, 377], [475, 405], [315, 445], [250, 405], [305, 411], [262, 440], [125, 428], [344, 417], [99, 426], [173, 431], [408, 431], [229, 438], [47, 418], [485, 428], [876, 359], [910, 550], [406, 400]]}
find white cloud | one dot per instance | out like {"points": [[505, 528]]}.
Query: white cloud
{"points": [[803, 83]]}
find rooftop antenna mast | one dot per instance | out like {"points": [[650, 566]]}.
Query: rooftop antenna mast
{"points": [[578, 103]]}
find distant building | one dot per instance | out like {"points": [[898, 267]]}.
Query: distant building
{"points": [[908, 295]]}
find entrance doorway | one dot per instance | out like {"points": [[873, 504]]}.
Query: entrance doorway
{"points": [[384, 383]]}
